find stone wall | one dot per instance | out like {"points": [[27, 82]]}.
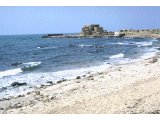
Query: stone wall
{"points": [[93, 29]]}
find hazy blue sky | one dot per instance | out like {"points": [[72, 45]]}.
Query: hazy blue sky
{"points": [[32, 20]]}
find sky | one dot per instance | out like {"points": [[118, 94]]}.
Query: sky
{"points": [[43, 20]]}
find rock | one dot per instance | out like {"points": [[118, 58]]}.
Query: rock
{"points": [[84, 75], [37, 92], [41, 96], [92, 78], [50, 82], [100, 73], [146, 64], [28, 93], [16, 63], [17, 84], [7, 98], [20, 96], [78, 77], [155, 112], [43, 86], [84, 86], [88, 72], [31, 102], [61, 80], [16, 105], [2, 89], [37, 98], [3, 99], [51, 98], [153, 60], [1, 108], [46, 99], [78, 81], [101, 77]]}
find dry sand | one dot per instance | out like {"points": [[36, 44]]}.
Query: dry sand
{"points": [[128, 88]]}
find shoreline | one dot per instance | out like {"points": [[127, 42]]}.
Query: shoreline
{"points": [[71, 74], [110, 91]]}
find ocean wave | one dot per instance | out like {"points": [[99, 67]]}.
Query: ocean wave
{"points": [[10, 72], [45, 47], [139, 44], [128, 38], [30, 65], [37, 79], [120, 55], [126, 43], [82, 45], [150, 53], [88, 46], [142, 44], [22, 67], [155, 39]]}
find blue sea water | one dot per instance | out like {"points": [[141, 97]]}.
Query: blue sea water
{"points": [[35, 60]]}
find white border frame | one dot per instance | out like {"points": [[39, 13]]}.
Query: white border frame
{"points": [[79, 2]]}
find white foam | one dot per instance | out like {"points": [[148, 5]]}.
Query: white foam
{"points": [[82, 45], [36, 79], [151, 53], [122, 43], [72, 74], [31, 64], [128, 37], [120, 55], [154, 39], [46, 47], [10, 72], [141, 44]]}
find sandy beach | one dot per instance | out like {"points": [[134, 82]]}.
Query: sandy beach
{"points": [[129, 88]]}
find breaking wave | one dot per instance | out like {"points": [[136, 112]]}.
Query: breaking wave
{"points": [[45, 47], [10, 72], [22, 67], [82, 45], [120, 55], [142, 44], [30, 65], [139, 44], [88, 46]]}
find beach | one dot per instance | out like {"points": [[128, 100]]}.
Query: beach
{"points": [[131, 88]]}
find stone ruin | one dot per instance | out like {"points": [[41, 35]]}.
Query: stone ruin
{"points": [[93, 29]]}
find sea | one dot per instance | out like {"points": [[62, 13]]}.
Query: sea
{"points": [[37, 61]]}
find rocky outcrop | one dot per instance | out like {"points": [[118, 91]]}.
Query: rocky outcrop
{"points": [[17, 84]]}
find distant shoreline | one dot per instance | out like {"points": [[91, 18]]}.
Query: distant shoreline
{"points": [[96, 31]]}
